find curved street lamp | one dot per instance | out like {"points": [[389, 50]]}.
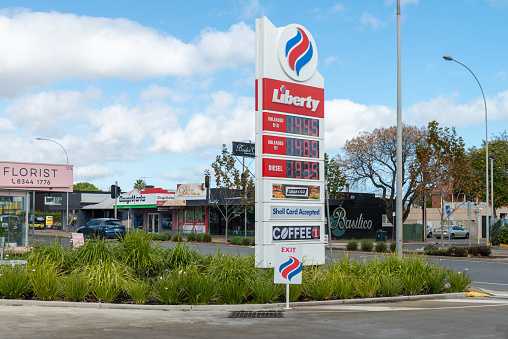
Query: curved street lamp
{"points": [[449, 58], [67, 219]]}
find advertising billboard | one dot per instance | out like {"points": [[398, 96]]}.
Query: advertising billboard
{"points": [[37, 177]]}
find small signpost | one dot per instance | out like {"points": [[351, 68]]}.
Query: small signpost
{"points": [[77, 240], [288, 266]]}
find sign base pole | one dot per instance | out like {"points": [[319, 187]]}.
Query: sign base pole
{"points": [[287, 297]]}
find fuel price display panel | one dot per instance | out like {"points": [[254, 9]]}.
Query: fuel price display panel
{"points": [[291, 169], [285, 123], [290, 146]]}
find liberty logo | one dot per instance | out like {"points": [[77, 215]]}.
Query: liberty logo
{"points": [[290, 268], [297, 52]]}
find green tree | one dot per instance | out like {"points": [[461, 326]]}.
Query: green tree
{"points": [[234, 190], [498, 151], [140, 184], [444, 167], [84, 186], [334, 176]]}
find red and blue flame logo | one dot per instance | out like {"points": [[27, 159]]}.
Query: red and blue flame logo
{"points": [[299, 51], [290, 268]]}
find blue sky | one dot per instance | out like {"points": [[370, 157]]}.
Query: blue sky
{"points": [[152, 89]]}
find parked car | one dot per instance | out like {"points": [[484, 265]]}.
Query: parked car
{"points": [[103, 228], [429, 231], [453, 231]]}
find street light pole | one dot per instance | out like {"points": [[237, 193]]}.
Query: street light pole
{"points": [[398, 209], [449, 58], [67, 205]]}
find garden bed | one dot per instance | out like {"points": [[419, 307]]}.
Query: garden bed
{"points": [[135, 271]]}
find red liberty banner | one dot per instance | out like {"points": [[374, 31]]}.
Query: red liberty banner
{"points": [[288, 97]]}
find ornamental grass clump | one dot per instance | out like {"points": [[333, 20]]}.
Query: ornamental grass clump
{"points": [[263, 289], [137, 250], [367, 286], [180, 255], [389, 285], [459, 281], [14, 281], [107, 279], [55, 253], [435, 281], [200, 287], [95, 250], [170, 287], [234, 290], [344, 286], [318, 285], [233, 274], [138, 290], [44, 279], [75, 286]]}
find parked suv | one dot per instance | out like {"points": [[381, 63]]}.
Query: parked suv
{"points": [[103, 228]]}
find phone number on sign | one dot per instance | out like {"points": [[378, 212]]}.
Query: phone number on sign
{"points": [[30, 182]]}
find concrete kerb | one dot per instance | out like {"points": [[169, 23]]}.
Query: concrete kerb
{"points": [[229, 308]]}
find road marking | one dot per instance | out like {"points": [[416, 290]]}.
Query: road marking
{"points": [[361, 308], [484, 282]]}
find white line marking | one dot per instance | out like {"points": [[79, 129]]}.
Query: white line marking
{"points": [[484, 282]]}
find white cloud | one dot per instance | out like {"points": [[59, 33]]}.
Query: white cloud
{"points": [[43, 47], [91, 172], [338, 8], [369, 19], [227, 118], [446, 111], [345, 119], [160, 93], [50, 113], [251, 9]]}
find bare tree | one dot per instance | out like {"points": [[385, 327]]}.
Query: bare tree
{"points": [[234, 190], [372, 158]]}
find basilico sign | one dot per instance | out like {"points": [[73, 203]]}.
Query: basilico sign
{"points": [[340, 223]]}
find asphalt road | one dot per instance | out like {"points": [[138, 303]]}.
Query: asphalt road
{"points": [[455, 318]]}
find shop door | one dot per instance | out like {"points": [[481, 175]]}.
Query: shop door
{"points": [[153, 222]]}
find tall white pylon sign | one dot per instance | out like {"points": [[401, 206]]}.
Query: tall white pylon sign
{"points": [[289, 143]]}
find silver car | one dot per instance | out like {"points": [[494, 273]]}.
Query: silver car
{"points": [[451, 231]]}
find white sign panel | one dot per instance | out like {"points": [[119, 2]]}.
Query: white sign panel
{"points": [[298, 212], [135, 197], [288, 264]]}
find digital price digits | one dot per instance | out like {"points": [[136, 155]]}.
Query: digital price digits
{"points": [[306, 170], [302, 148], [303, 126]]}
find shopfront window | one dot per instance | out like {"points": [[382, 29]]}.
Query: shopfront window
{"points": [[13, 226], [167, 223], [138, 221]]}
